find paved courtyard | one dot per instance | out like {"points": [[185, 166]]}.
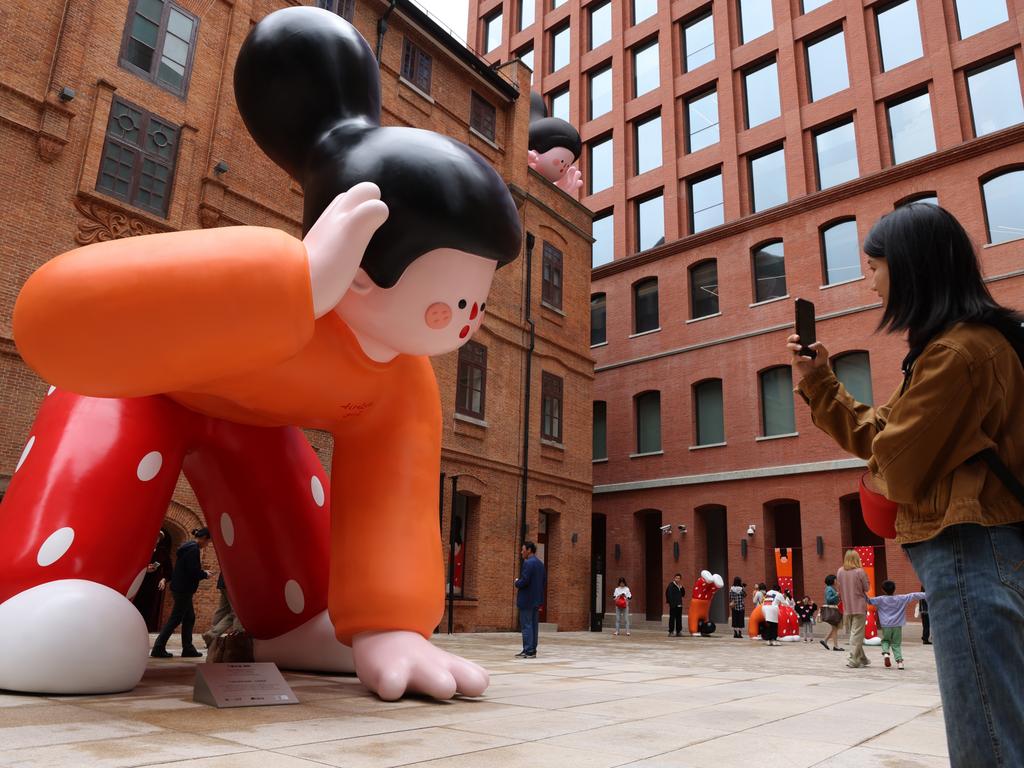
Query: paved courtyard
{"points": [[588, 699]]}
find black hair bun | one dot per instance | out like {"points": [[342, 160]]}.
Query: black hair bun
{"points": [[549, 132]]}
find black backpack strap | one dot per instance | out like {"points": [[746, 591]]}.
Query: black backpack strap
{"points": [[1000, 470]]}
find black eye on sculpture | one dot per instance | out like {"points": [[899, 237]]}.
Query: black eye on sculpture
{"points": [[462, 303], [483, 306]]}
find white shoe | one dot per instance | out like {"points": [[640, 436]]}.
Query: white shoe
{"points": [[71, 636], [311, 647]]}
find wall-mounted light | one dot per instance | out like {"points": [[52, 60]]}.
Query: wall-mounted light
{"points": [[66, 94], [819, 545], [751, 529], [220, 168], [675, 550], [682, 528], [743, 548], [618, 553]]}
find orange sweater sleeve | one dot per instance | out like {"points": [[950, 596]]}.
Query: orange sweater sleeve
{"points": [[159, 313], [386, 567]]}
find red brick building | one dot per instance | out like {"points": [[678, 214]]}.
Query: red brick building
{"points": [[736, 152], [117, 118]]}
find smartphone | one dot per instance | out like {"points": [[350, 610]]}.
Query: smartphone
{"points": [[805, 327]]}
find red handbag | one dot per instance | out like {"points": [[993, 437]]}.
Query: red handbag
{"points": [[879, 513], [620, 601]]}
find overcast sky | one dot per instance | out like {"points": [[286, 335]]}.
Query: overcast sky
{"points": [[454, 13]]}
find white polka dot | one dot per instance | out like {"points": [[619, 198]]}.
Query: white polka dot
{"points": [[55, 546], [51, 390], [134, 588], [149, 466], [227, 529], [28, 449], [318, 490], [293, 596]]}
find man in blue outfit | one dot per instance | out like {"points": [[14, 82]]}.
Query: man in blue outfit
{"points": [[531, 594]]}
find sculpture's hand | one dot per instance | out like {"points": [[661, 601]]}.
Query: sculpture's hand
{"points": [[336, 242], [394, 663], [571, 180], [532, 158]]}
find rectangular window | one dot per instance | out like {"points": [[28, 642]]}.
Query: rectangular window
{"points": [[601, 92], [761, 90], [755, 19], [899, 34], [459, 535], [526, 56], [648, 144], [707, 206], [138, 158], [710, 412], [601, 157], [910, 128], [416, 66], [603, 249], [702, 121], [648, 422], [598, 319], [698, 42], [813, 5], [471, 386], [645, 69], [526, 13], [159, 43], [600, 25], [841, 250], [826, 66], [645, 306], [644, 9], [482, 115], [650, 218], [994, 92], [768, 180], [974, 16], [560, 104], [600, 430], [704, 289], [492, 32], [777, 402], [551, 282], [560, 47], [344, 8], [769, 272], [551, 407], [835, 150]]}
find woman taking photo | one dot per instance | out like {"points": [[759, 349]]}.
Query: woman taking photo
{"points": [[962, 392]]}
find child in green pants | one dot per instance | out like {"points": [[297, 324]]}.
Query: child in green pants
{"points": [[892, 615]]}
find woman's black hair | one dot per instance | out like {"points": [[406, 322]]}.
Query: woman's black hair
{"points": [[622, 581], [550, 132], [830, 580], [737, 581], [935, 280], [308, 89]]}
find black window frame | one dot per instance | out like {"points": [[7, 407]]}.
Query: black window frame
{"points": [[692, 283], [600, 141], [635, 51], [414, 60], [821, 37], [642, 121], [647, 396], [763, 403], [697, 388], [1009, 58], [557, 94], [498, 13], [739, 23], [711, 173], [591, 75], [555, 32], [639, 201], [472, 357], [696, 18], [551, 276], [754, 271], [598, 309], [882, 8], [896, 102], [152, 74], [519, 16], [959, 28], [688, 101], [602, 407], [759, 155], [986, 179], [591, 10], [836, 363], [651, 320], [822, 230], [480, 109], [821, 129], [751, 70], [551, 407]]}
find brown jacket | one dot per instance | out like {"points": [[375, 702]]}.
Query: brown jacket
{"points": [[966, 393]]}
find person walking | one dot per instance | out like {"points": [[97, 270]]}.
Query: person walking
{"points": [[621, 597], [831, 614], [531, 583], [188, 572], [853, 588], [946, 449], [674, 597], [892, 616], [737, 599]]}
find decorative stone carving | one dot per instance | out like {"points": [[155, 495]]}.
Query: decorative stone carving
{"points": [[101, 223], [208, 216], [49, 147]]}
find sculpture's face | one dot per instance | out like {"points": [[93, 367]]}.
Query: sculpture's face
{"points": [[434, 308], [553, 163]]}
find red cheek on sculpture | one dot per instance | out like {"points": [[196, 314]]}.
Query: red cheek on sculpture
{"points": [[464, 332], [473, 312]]}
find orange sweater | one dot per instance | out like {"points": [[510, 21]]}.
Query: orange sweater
{"points": [[222, 321]]}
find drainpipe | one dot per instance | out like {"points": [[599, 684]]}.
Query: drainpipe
{"points": [[527, 303], [382, 27]]}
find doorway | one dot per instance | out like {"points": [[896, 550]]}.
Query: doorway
{"points": [[711, 522], [855, 533], [783, 532], [653, 589], [598, 567]]}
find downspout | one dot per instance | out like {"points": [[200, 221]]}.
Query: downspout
{"points": [[527, 303], [382, 27]]}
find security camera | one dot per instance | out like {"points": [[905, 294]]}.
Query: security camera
{"points": [[750, 529], [682, 528], [666, 529]]}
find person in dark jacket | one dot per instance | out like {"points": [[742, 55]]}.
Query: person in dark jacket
{"points": [[674, 597], [188, 572], [531, 583]]}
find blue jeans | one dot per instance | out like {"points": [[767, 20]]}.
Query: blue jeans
{"points": [[974, 577], [529, 623]]}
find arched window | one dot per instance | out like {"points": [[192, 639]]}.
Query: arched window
{"points": [[853, 369], [648, 422], [769, 269], [840, 251], [645, 305], [777, 402], [1004, 214], [919, 197], [709, 412], [704, 289], [598, 319]]}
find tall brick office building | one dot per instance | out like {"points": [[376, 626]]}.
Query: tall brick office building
{"points": [[736, 153], [117, 118]]}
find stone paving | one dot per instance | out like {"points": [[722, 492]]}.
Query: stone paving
{"points": [[589, 699]]}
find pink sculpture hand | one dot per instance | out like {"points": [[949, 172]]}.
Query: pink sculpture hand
{"points": [[571, 180], [336, 242], [532, 158], [394, 663]]}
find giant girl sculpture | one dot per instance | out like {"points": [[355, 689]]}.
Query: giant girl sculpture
{"points": [[207, 349], [554, 147]]}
